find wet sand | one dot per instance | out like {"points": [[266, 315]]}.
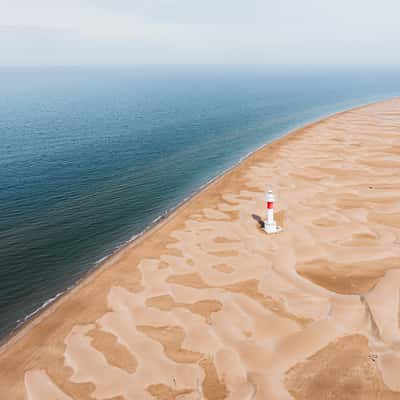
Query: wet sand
{"points": [[207, 306]]}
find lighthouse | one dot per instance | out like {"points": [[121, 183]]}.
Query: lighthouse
{"points": [[270, 224]]}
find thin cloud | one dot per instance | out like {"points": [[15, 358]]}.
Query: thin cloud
{"points": [[191, 31]]}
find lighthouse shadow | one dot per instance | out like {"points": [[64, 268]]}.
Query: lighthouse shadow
{"points": [[258, 219]]}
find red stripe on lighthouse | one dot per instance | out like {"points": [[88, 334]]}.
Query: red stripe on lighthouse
{"points": [[270, 204]]}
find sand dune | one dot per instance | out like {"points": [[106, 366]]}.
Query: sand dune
{"points": [[207, 306]]}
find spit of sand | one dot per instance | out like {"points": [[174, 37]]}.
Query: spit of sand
{"points": [[207, 306]]}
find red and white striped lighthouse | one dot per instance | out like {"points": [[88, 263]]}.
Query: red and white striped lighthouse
{"points": [[270, 224]]}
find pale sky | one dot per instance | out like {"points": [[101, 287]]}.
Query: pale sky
{"points": [[102, 32]]}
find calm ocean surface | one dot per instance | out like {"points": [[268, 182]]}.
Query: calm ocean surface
{"points": [[91, 157]]}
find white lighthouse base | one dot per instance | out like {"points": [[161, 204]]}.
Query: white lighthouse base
{"points": [[271, 227]]}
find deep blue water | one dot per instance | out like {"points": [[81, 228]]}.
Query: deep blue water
{"points": [[90, 156]]}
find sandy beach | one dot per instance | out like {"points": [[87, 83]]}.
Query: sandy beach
{"points": [[207, 306]]}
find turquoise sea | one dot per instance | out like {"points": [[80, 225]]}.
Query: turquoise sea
{"points": [[90, 157]]}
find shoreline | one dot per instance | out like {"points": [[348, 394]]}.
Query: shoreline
{"points": [[52, 304], [206, 305]]}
